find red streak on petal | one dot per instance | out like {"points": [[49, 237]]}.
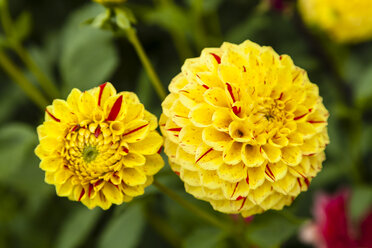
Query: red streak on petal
{"points": [[244, 69], [236, 185], [54, 118], [237, 110], [261, 149], [205, 86], [75, 128], [185, 91], [204, 155], [97, 132], [294, 79], [299, 117], [310, 155], [135, 130], [314, 122], [101, 88], [98, 183], [242, 204], [280, 57], [81, 194], [126, 150], [217, 58], [280, 97], [177, 173], [299, 182], [239, 198], [90, 189], [181, 116], [115, 109], [175, 129], [270, 173], [229, 88], [310, 109], [247, 179], [160, 149], [307, 182]]}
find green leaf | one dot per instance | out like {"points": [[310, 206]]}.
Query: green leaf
{"points": [[124, 231], [270, 229], [88, 56], [15, 141], [77, 227], [363, 89], [205, 237], [22, 26], [360, 202]]}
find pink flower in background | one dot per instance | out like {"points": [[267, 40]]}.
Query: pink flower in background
{"points": [[331, 227]]}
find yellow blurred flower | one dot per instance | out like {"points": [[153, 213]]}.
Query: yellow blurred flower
{"points": [[110, 2], [346, 21], [99, 147], [244, 128]]}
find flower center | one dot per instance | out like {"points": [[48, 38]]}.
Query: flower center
{"points": [[89, 154]]}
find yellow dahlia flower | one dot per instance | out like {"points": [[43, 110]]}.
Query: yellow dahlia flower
{"points": [[244, 128], [99, 147], [346, 21]]}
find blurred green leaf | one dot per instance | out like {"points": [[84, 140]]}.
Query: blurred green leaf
{"points": [[88, 56], [124, 231], [77, 227], [15, 140], [22, 26], [270, 229], [363, 89], [205, 237], [360, 202]]}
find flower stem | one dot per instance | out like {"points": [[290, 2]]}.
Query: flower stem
{"points": [[191, 207], [8, 27], [133, 38], [18, 77]]}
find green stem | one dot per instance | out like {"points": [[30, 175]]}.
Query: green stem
{"points": [[18, 77], [132, 37], [48, 86], [191, 207]]}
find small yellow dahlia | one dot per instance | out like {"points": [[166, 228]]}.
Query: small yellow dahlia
{"points": [[244, 128], [346, 21], [99, 147]]}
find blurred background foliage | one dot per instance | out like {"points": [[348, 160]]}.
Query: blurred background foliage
{"points": [[75, 55]]}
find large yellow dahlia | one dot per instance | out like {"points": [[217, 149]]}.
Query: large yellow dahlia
{"points": [[346, 21], [99, 147], [244, 128]]}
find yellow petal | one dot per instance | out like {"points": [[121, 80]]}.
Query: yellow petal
{"points": [[153, 164], [150, 145], [133, 159], [291, 155], [135, 131], [216, 139], [208, 158], [201, 115], [251, 156], [256, 176], [232, 173], [133, 177], [271, 153]]}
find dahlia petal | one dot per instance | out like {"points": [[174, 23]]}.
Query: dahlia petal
{"points": [[279, 141], [133, 159], [133, 191], [279, 170], [136, 131], [177, 83], [51, 163], [63, 111], [232, 153], [240, 131], [86, 104], [152, 120], [216, 97], [260, 193], [133, 177], [271, 153], [191, 177], [49, 144], [271, 201], [210, 179], [285, 185], [209, 80], [222, 119], [150, 145], [74, 98], [230, 74], [153, 164], [311, 146], [216, 139], [207, 158], [61, 176], [256, 176], [201, 115], [168, 103], [190, 138], [251, 156], [213, 194], [232, 173], [112, 193], [180, 114], [136, 112], [295, 139], [291, 155], [64, 189], [186, 160]]}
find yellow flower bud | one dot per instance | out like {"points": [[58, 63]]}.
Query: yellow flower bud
{"points": [[346, 21], [99, 146], [244, 128]]}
